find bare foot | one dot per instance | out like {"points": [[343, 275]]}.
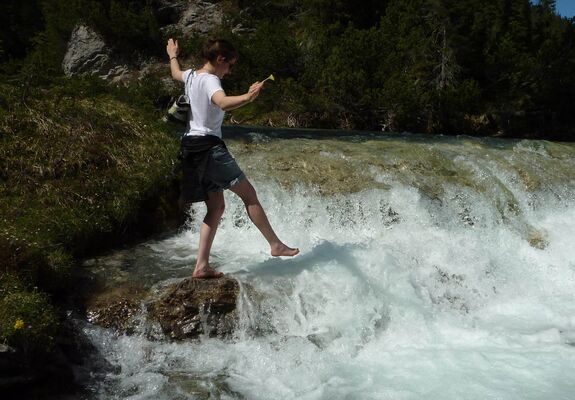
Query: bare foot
{"points": [[283, 250], [206, 273]]}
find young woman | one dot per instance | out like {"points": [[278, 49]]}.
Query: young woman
{"points": [[208, 166]]}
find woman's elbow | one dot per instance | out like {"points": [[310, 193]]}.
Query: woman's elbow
{"points": [[221, 103], [177, 76]]}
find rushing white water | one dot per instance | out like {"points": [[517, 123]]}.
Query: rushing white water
{"points": [[397, 294]]}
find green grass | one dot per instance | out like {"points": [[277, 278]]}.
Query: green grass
{"points": [[76, 165], [27, 318]]}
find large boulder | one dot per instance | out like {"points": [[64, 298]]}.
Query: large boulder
{"points": [[88, 54], [195, 307], [188, 309]]}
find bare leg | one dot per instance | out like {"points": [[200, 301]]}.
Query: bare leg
{"points": [[247, 193], [215, 205]]}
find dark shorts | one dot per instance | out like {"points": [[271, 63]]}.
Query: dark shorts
{"points": [[222, 171], [218, 171]]}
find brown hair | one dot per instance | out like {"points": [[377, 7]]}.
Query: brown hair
{"points": [[218, 47]]}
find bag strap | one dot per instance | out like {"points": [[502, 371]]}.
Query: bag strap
{"points": [[192, 73]]}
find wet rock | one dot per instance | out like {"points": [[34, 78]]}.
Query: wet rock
{"points": [[118, 310], [530, 181], [119, 315], [537, 239], [188, 309], [323, 339], [194, 307]]}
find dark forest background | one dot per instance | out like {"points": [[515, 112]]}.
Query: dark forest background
{"points": [[500, 67]]}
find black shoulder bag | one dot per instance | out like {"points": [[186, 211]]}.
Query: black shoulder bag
{"points": [[179, 110]]}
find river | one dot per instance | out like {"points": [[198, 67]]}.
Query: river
{"points": [[430, 267]]}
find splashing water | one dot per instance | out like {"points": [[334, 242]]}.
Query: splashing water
{"points": [[435, 268]]}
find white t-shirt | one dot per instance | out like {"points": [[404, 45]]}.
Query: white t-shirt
{"points": [[206, 117]]}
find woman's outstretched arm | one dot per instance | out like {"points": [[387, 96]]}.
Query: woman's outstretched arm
{"points": [[228, 103]]}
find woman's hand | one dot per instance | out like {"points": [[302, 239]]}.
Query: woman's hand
{"points": [[172, 48], [254, 91]]}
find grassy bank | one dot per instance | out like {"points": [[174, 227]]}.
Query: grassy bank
{"points": [[77, 172]]}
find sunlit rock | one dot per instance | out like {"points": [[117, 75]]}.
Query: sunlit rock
{"points": [[88, 54], [196, 307]]}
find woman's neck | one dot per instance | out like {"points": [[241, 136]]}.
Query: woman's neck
{"points": [[209, 68]]}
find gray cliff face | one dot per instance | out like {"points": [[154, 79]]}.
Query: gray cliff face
{"points": [[88, 54], [200, 18], [190, 17]]}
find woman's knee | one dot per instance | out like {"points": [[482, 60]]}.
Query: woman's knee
{"points": [[216, 204], [217, 208], [246, 192]]}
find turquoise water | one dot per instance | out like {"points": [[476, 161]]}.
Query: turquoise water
{"points": [[430, 267]]}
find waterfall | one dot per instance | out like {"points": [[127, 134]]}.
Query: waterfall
{"points": [[429, 267]]}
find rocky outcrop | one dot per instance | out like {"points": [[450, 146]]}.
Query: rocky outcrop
{"points": [[193, 308], [190, 17], [88, 54], [201, 17]]}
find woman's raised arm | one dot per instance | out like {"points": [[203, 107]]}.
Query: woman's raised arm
{"points": [[172, 49]]}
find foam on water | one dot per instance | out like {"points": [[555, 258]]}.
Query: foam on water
{"points": [[395, 295]]}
